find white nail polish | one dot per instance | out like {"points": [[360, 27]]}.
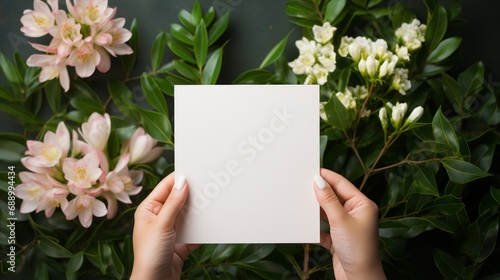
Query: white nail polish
{"points": [[179, 183], [320, 182]]}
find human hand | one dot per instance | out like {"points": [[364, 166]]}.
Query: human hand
{"points": [[156, 256], [353, 238]]}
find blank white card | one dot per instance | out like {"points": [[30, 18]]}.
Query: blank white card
{"points": [[250, 154]]}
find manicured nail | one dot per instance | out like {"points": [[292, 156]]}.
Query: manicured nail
{"points": [[320, 183], [179, 183]]}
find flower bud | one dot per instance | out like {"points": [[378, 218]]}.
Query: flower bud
{"points": [[96, 131], [415, 115], [398, 112], [382, 115], [143, 147]]}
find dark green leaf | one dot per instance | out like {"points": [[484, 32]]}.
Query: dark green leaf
{"points": [[472, 79], [462, 172], [255, 76], [444, 50], [260, 252], [447, 205], [185, 18], [179, 50], [495, 193], [323, 140], [424, 182], [158, 50], [79, 88], [489, 236], [275, 52], [128, 253], [218, 29], [333, 9], [11, 151], [157, 125], [447, 265], [444, 133], [483, 152], [454, 93], [20, 113], [86, 105], [74, 264], [436, 28], [53, 94], [264, 269], [130, 60], [104, 255], [11, 73], [344, 79], [442, 225], [182, 34], [118, 268], [212, 68], [7, 94], [123, 99], [187, 70], [41, 271], [391, 228], [52, 249], [336, 113], [153, 94], [165, 85], [201, 44]]}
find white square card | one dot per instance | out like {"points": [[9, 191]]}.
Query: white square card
{"points": [[250, 154]]}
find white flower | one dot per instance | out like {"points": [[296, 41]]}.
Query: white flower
{"points": [[400, 80], [323, 34], [382, 115], [347, 100], [344, 46], [412, 34], [143, 147], [360, 92], [398, 113], [55, 147], [372, 66], [402, 53], [38, 22], [327, 57], [322, 112], [415, 115], [96, 131]]}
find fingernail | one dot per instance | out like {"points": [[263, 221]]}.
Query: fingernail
{"points": [[320, 183], [179, 183]]}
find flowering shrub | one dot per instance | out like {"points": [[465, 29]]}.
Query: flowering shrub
{"points": [[84, 38], [416, 140]]}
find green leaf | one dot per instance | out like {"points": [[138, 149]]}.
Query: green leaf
{"points": [[436, 28], [200, 44], [165, 85], [79, 88], [186, 70], [254, 76], [444, 133], [11, 151], [20, 113], [209, 16], [212, 68], [196, 14], [158, 50], [74, 264], [157, 125], [52, 249], [495, 193], [424, 182], [130, 60], [128, 252], [489, 235], [333, 9], [123, 99], [53, 94], [11, 73], [323, 141], [275, 52], [117, 265], [185, 18], [260, 252], [104, 255], [182, 34], [444, 50], [153, 94], [447, 205], [462, 172], [483, 152], [472, 79], [179, 50], [264, 269], [454, 93], [344, 79], [7, 94], [336, 113], [447, 265], [218, 29], [86, 105]]}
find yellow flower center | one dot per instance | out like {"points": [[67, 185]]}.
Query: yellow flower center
{"points": [[69, 32], [41, 21], [49, 152], [81, 173], [92, 13], [34, 192]]}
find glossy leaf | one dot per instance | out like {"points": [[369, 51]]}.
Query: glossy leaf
{"points": [[122, 98], [186, 70], [218, 28], [424, 182], [275, 53], [196, 14], [447, 205], [86, 105], [256, 76], [472, 79], [495, 193], [260, 252], [157, 125], [179, 50], [130, 60], [185, 18], [337, 113], [52, 249], [20, 113], [53, 95], [74, 264], [447, 265], [209, 16], [489, 236], [158, 50], [444, 133], [453, 90], [180, 33], [165, 85], [462, 172], [333, 9], [11, 151], [200, 44], [153, 94], [436, 28], [446, 48], [10, 72], [212, 68]]}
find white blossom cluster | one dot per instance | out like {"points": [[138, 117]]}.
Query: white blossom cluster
{"points": [[352, 100], [397, 113], [411, 35], [317, 57]]}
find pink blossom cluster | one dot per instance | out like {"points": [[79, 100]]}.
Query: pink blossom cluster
{"points": [[83, 38], [79, 177]]}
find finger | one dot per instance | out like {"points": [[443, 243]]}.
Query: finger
{"points": [[328, 201], [155, 200], [325, 240], [344, 189], [174, 203], [183, 250]]}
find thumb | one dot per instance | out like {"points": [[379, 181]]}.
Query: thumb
{"points": [[174, 202], [329, 201]]}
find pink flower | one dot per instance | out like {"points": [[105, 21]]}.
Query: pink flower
{"points": [[90, 11], [85, 59], [55, 147], [53, 66], [83, 173], [84, 206], [143, 147], [122, 182], [96, 131], [79, 146], [38, 22], [40, 192], [113, 37], [66, 33]]}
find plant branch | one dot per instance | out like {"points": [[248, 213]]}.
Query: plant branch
{"points": [[305, 270]]}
